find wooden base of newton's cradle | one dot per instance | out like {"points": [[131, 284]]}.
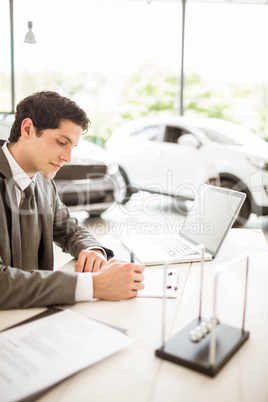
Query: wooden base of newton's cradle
{"points": [[181, 350]]}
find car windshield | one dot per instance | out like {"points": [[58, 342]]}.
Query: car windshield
{"points": [[150, 133], [229, 133]]}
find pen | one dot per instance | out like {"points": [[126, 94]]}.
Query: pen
{"points": [[132, 257]]}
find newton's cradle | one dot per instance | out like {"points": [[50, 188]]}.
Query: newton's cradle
{"points": [[204, 345]]}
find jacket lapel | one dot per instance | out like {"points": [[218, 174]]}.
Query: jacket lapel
{"points": [[11, 201]]}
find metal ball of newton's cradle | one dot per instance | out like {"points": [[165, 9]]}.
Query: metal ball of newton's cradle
{"points": [[204, 328]]}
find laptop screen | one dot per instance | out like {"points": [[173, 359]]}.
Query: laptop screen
{"points": [[211, 216]]}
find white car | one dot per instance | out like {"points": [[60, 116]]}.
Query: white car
{"points": [[91, 181], [175, 155]]}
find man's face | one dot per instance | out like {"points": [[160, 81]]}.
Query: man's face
{"points": [[48, 152]]}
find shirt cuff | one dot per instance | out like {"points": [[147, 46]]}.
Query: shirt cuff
{"points": [[84, 287], [98, 248]]}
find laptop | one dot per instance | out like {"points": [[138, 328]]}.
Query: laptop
{"points": [[206, 226]]}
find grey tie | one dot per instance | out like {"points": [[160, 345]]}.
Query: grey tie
{"points": [[29, 230]]}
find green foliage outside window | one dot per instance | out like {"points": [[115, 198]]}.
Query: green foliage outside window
{"points": [[152, 91]]}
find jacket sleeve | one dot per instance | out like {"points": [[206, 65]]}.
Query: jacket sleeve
{"points": [[24, 289], [71, 236]]}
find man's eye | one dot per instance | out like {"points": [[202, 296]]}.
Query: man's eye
{"points": [[61, 143]]}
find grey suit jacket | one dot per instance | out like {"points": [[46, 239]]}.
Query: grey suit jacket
{"points": [[20, 288]]}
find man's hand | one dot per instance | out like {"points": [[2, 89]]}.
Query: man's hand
{"points": [[90, 261], [118, 280]]}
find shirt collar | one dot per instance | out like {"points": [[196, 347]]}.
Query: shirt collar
{"points": [[19, 175]]}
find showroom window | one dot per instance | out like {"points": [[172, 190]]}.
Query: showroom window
{"points": [[5, 59], [121, 60], [226, 63]]}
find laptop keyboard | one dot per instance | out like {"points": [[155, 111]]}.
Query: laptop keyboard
{"points": [[173, 245]]}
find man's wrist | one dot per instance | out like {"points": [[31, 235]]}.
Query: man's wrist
{"points": [[97, 292]]}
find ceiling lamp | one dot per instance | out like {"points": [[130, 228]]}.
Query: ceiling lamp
{"points": [[29, 37]]}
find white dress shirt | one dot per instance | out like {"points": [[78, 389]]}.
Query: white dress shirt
{"points": [[84, 286]]}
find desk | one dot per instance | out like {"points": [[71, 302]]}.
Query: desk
{"points": [[135, 374]]}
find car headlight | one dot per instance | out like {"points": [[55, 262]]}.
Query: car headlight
{"points": [[112, 169], [258, 163]]}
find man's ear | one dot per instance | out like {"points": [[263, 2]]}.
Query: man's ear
{"points": [[27, 128]]}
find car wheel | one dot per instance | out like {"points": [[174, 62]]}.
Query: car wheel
{"points": [[124, 191], [245, 211], [181, 206], [97, 213]]}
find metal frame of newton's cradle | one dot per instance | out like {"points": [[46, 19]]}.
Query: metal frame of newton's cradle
{"points": [[204, 345]]}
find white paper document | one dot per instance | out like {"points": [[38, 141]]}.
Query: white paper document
{"points": [[155, 283], [35, 356]]}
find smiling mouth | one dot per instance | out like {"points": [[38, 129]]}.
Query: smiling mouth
{"points": [[56, 166]]}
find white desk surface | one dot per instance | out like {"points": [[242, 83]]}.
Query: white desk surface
{"points": [[136, 374]]}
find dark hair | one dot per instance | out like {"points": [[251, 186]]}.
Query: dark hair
{"points": [[47, 109]]}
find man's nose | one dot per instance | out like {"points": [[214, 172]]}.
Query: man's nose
{"points": [[66, 156]]}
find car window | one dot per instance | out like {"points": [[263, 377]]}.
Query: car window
{"points": [[219, 137], [172, 134], [150, 133], [228, 133]]}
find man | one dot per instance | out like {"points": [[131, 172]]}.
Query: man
{"points": [[47, 127]]}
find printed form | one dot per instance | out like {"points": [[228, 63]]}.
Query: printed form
{"points": [[155, 285], [37, 355]]}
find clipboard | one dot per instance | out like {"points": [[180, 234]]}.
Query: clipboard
{"points": [[53, 310]]}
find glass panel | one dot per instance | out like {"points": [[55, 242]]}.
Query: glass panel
{"points": [[5, 68], [119, 60], [226, 63]]}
